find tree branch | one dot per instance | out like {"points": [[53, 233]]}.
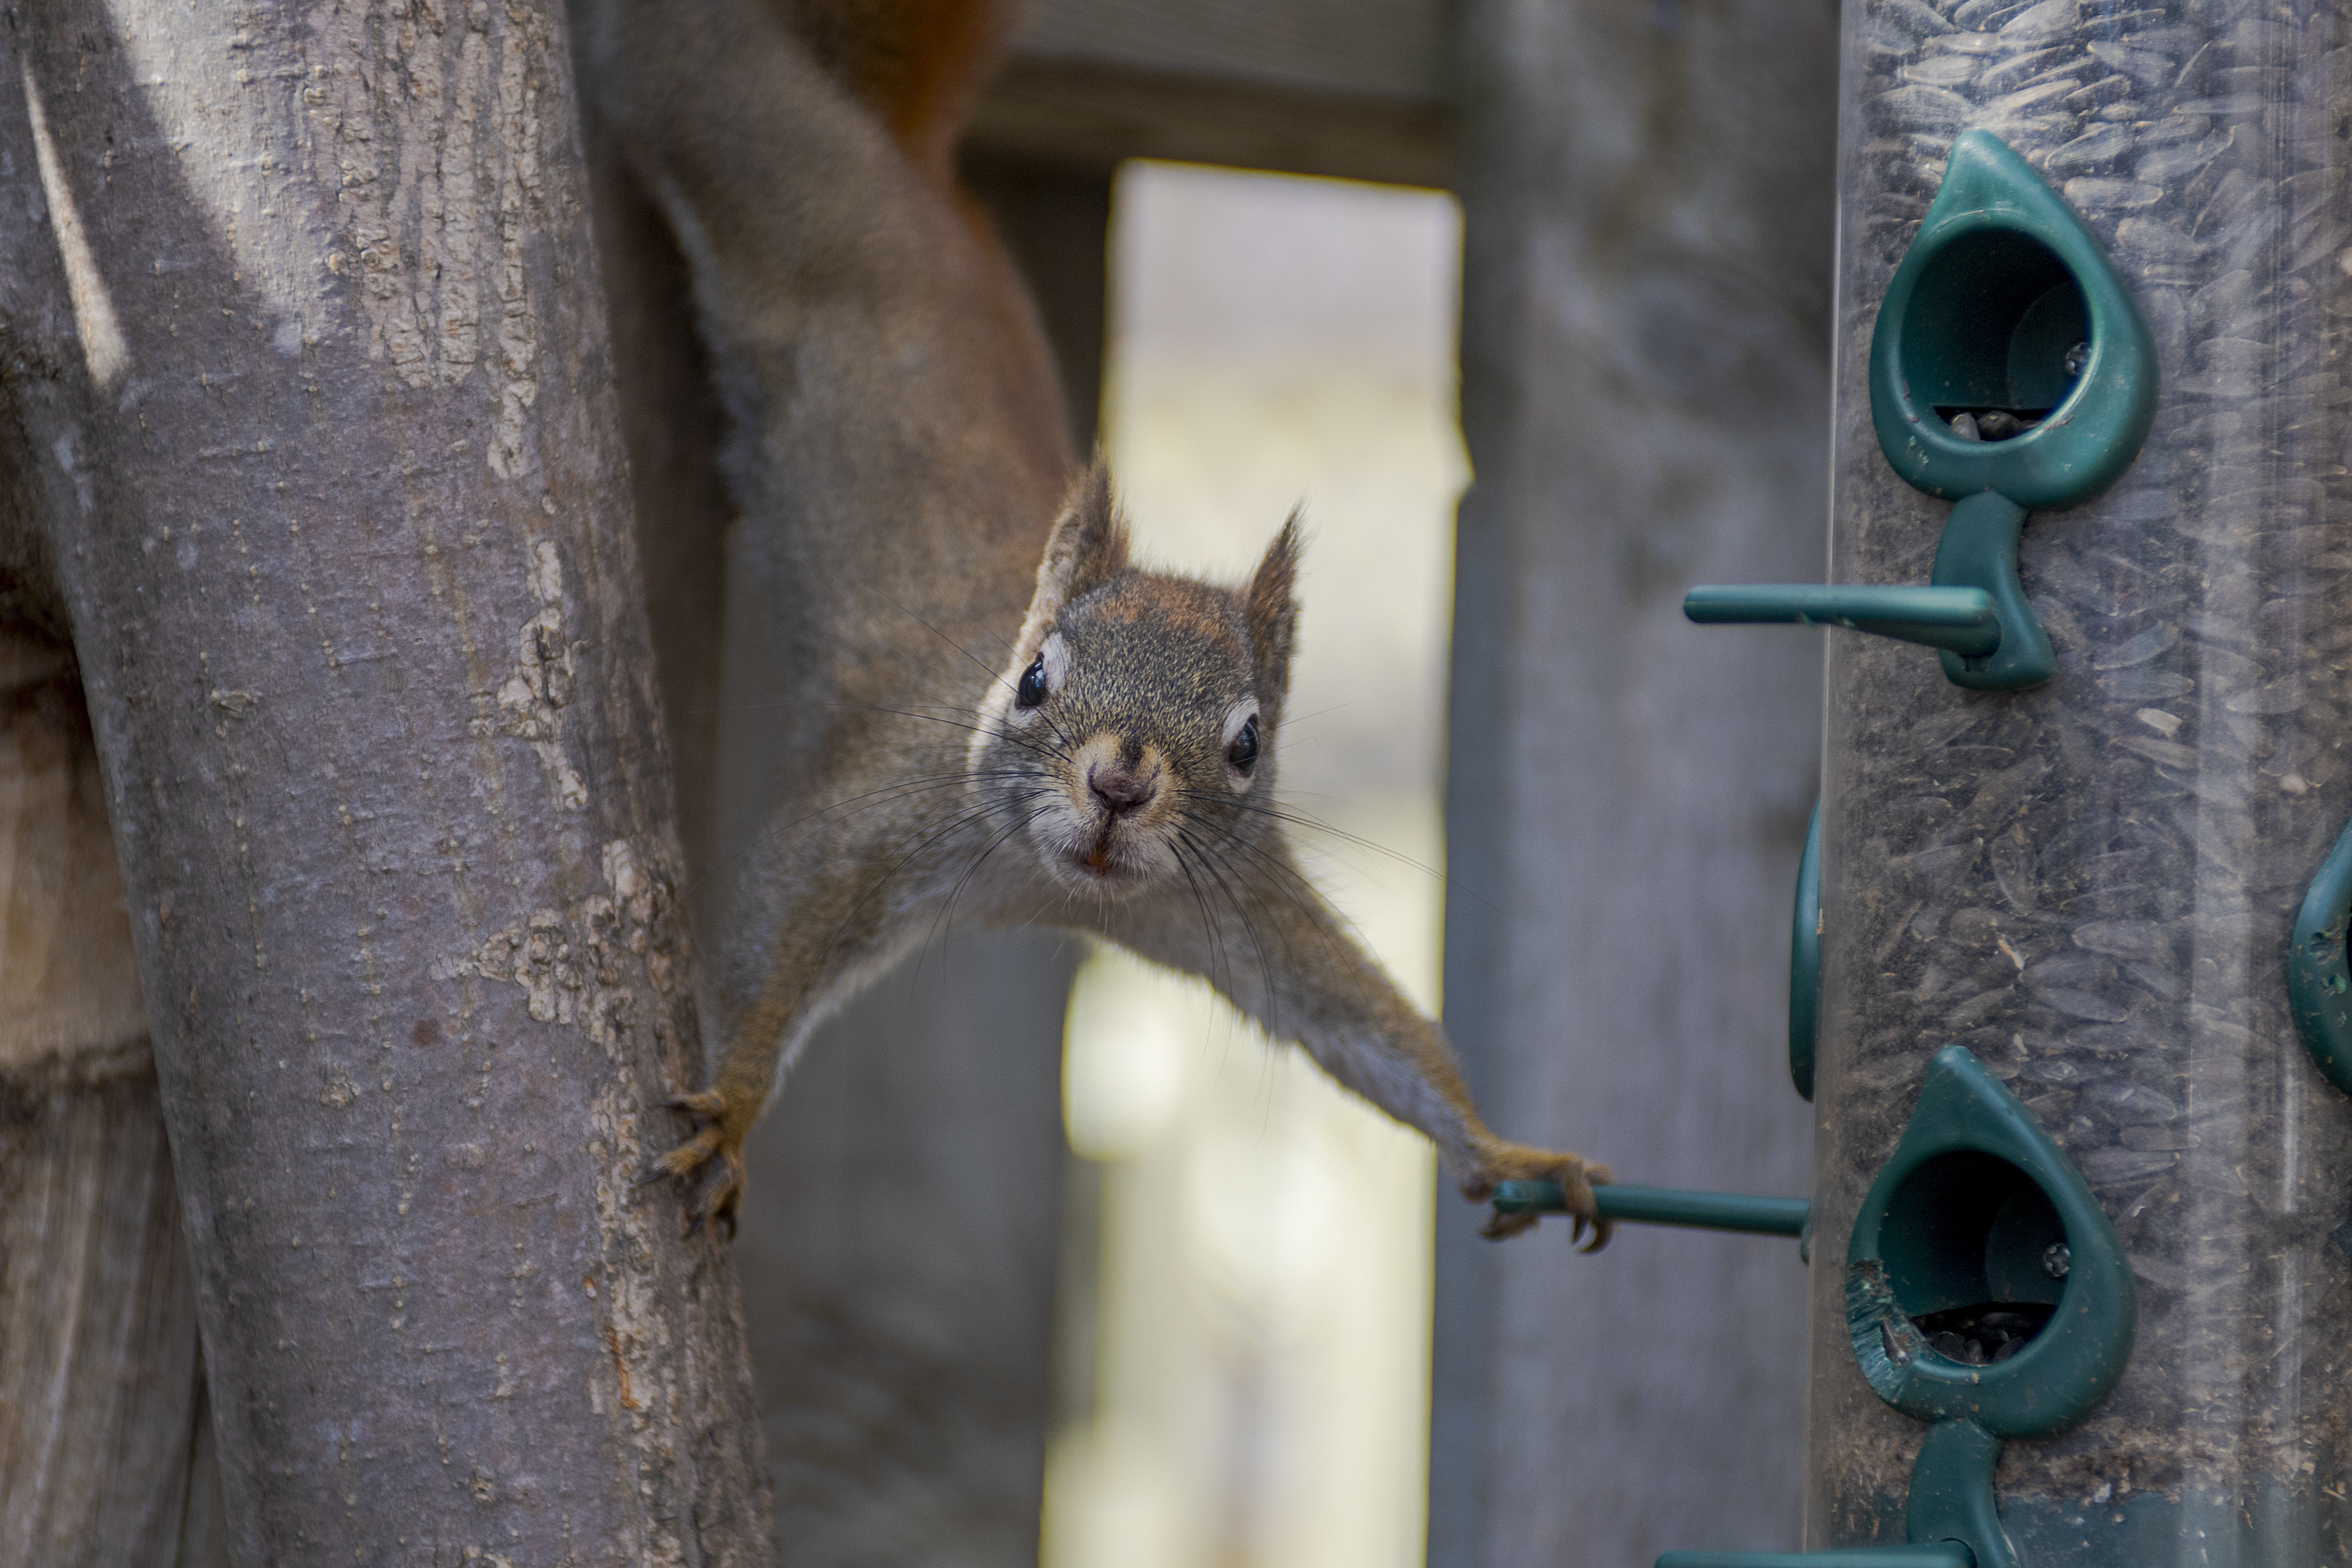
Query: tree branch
{"points": [[300, 314]]}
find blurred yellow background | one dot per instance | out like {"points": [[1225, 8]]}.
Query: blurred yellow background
{"points": [[1258, 1324]]}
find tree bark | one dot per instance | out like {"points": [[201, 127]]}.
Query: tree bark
{"points": [[299, 315]]}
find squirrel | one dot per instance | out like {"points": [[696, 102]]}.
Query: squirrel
{"points": [[982, 708]]}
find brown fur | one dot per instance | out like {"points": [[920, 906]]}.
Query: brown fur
{"points": [[897, 454], [917, 64]]}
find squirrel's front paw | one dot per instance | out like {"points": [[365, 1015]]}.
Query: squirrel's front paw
{"points": [[1577, 1177], [718, 1131]]}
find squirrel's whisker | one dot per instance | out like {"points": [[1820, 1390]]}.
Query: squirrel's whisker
{"points": [[1218, 957], [1299, 819], [943, 636], [904, 789]]}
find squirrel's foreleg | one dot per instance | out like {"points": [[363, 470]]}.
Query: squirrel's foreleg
{"points": [[837, 925], [1280, 954]]}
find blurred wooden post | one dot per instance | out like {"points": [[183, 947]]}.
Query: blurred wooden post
{"points": [[1648, 193]]}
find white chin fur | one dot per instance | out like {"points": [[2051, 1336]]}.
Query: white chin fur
{"points": [[1137, 860]]}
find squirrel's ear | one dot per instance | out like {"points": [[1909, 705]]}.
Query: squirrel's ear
{"points": [[1089, 546], [1272, 610]]}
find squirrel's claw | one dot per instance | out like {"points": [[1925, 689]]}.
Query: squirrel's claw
{"points": [[718, 1200], [1577, 1177], [1584, 1210], [716, 1134]]}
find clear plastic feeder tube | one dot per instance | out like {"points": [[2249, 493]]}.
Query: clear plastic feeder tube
{"points": [[2091, 884]]}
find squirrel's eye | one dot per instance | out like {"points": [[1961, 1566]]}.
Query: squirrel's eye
{"points": [[1032, 689], [1242, 752]]}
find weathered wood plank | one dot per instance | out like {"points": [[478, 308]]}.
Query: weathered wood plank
{"points": [[1354, 90], [1348, 48], [104, 1433]]}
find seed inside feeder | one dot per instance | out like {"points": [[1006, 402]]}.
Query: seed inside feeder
{"points": [[1992, 424], [1980, 1335]]}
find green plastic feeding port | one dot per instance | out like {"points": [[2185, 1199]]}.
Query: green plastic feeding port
{"points": [[1983, 1281], [2320, 968], [1805, 960], [1996, 329], [1665, 1206], [1986, 1293], [2009, 370], [2008, 355]]}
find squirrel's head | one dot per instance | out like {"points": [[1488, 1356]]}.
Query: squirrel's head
{"points": [[1130, 741]]}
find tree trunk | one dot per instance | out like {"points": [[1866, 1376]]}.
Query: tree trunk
{"points": [[301, 316]]}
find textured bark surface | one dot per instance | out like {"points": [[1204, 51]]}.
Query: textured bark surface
{"points": [[2091, 884], [301, 321], [671, 424], [1647, 193]]}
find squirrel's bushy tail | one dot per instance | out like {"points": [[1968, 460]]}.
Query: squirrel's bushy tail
{"points": [[917, 64]]}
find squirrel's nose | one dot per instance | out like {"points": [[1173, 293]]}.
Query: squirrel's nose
{"points": [[1118, 788]]}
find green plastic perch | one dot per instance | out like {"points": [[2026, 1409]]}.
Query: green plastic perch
{"points": [[1665, 1206], [1936, 1554], [1963, 620]]}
